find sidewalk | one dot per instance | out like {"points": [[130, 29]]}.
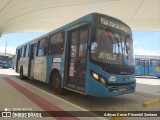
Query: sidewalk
{"points": [[148, 85]]}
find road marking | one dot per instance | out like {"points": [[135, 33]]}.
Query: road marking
{"points": [[41, 102], [65, 101], [146, 104]]}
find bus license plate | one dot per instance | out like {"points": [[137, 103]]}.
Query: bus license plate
{"points": [[122, 89]]}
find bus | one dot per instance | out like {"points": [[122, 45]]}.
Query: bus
{"points": [[92, 55], [5, 61], [147, 65]]}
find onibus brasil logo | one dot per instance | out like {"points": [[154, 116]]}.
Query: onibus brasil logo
{"points": [[8, 113]]}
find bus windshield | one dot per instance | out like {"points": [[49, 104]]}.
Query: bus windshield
{"points": [[112, 48], [4, 58]]}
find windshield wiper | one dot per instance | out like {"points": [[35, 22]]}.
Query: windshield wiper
{"points": [[126, 46], [117, 41]]}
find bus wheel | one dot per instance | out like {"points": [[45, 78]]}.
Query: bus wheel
{"points": [[56, 83], [21, 73]]}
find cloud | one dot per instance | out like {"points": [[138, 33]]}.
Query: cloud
{"points": [[135, 43], [141, 51], [9, 49]]}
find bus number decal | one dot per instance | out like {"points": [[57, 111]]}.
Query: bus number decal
{"points": [[108, 56]]}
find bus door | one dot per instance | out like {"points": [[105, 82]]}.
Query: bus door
{"points": [[145, 67], [76, 59], [137, 66], [32, 55], [18, 58]]}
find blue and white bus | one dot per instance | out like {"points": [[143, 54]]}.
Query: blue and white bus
{"points": [[92, 56], [4, 61], [147, 65]]}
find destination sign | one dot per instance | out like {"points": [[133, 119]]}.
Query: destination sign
{"points": [[112, 22]]}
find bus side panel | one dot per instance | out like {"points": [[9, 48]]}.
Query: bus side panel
{"points": [[153, 71], [23, 62], [18, 66], [25, 66], [137, 70], [40, 68], [32, 68], [158, 71], [49, 67], [142, 70], [54, 65]]}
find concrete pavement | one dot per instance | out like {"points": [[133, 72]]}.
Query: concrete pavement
{"points": [[148, 85], [17, 95], [28, 93]]}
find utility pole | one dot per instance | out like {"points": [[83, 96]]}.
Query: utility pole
{"points": [[6, 47]]}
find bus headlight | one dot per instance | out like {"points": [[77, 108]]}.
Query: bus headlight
{"points": [[95, 75], [103, 81], [112, 78], [98, 78]]}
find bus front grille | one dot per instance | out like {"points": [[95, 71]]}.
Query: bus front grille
{"points": [[120, 70]]}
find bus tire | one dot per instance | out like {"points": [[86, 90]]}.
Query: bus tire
{"points": [[21, 73], [56, 83]]}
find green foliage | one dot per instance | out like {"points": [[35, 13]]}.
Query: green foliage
{"points": [[7, 54]]}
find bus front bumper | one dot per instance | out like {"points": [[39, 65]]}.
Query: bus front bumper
{"points": [[4, 65], [108, 91], [1, 64], [119, 90]]}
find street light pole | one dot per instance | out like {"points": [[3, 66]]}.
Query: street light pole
{"points": [[6, 47]]}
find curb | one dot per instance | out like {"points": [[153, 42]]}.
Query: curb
{"points": [[146, 104]]}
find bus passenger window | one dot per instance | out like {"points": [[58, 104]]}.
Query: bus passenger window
{"points": [[158, 63], [83, 43], [137, 62], [35, 50], [42, 49], [24, 50], [56, 44], [153, 63], [20, 52], [27, 51]]}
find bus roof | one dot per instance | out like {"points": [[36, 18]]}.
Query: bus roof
{"points": [[92, 17], [147, 57]]}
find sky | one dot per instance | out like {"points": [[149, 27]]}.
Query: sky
{"points": [[144, 42]]}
